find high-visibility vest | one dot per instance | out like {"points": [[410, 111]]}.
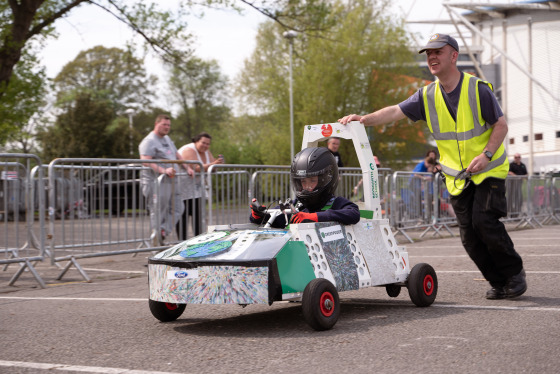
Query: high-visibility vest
{"points": [[459, 142]]}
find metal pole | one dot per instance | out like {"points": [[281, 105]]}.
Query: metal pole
{"points": [[291, 106], [130, 133], [504, 76], [530, 51], [130, 113], [290, 35]]}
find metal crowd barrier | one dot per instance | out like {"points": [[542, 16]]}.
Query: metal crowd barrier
{"points": [[97, 207], [19, 244]]}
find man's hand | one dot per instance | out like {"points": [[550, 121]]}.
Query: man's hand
{"points": [[190, 171], [478, 164], [352, 117], [170, 172], [303, 217]]}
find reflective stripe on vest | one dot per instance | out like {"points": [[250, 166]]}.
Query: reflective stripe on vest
{"points": [[459, 141]]}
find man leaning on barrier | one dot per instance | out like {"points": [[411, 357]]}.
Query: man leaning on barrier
{"points": [[157, 145], [469, 127]]}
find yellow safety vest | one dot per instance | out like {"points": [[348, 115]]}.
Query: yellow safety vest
{"points": [[459, 142]]}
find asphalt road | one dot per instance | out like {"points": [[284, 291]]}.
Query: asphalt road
{"points": [[106, 326]]}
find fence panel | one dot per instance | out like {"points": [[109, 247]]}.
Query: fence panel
{"points": [[539, 208], [19, 244], [517, 198], [101, 207], [231, 188], [411, 201]]}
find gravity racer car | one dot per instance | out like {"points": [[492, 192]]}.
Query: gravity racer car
{"points": [[308, 262]]}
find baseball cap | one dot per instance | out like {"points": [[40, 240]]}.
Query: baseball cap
{"points": [[440, 40]]}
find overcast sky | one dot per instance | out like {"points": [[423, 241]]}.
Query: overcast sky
{"points": [[225, 36], [222, 35]]}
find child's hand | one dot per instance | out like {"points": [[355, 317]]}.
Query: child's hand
{"points": [[303, 217]]}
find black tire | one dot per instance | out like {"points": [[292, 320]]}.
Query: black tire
{"points": [[166, 312], [320, 304], [393, 290], [422, 285]]}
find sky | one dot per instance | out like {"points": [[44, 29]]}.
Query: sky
{"points": [[222, 35]]}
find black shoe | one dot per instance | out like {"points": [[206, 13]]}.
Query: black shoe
{"points": [[496, 293], [516, 285]]}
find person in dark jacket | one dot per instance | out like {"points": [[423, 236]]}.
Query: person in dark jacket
{"points": [[314, 175]]}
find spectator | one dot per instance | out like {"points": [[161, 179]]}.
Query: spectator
{"points": [[516, 167], [425, 166], [157, 145], [361, 181], [473, 160], [198, 150], [515, 198], [422, 196], [432, 153], [314, 175], [333, 144]]}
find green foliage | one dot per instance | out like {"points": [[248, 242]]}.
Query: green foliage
{"points": [[85, 129], [356, 66], [199, 90], [112, 73], [23, 97]]}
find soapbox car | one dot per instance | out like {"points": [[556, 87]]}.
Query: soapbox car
{"points": [[308, 262]]}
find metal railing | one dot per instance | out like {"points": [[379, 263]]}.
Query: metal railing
{"points": [[20, 245], [97, 207]]}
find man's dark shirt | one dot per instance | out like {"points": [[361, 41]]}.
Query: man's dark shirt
{"points": [[413, 107], [337, 158], [518, 169]]}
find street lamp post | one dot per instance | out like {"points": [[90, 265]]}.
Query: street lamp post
{"points": [[291, 35], [130, 113]]}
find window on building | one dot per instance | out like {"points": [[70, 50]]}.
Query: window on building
{"points": [[511, 140], [558, 134], [538, 136], [525, 138]]}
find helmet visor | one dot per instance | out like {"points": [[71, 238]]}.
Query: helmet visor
{"points": [[309, 182]]}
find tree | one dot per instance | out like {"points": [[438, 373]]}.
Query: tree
{"points": [[29, 23], [23, 98], [84, 129], [199, 90], [351, 68], [163, 31], [112, 73]]}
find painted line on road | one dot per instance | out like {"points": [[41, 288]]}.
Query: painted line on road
{"points": [[73, 298], [476, 271], [527, 308], [524, 308], [117, 271], [459, 256], [87, 369]]}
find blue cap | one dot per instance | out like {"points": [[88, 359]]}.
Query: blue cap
{"points": [[440, 40]]}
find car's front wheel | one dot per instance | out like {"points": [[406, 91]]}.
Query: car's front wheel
{"points": [[166, 312], [320, 304]]}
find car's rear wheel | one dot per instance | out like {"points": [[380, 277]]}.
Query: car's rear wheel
{"points": [[320, 304], [422, 285], [166, 312], [393, 290]]}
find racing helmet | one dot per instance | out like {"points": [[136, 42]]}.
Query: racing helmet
{"points": [[314, 162]]}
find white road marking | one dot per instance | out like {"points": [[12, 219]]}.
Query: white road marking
{"points": [[526, 308], [117, 271], [86, 369], [458, 256], [73, 298], [476, 271]]}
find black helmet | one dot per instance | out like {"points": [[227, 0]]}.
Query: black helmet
{"points": [[314, 162]]}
